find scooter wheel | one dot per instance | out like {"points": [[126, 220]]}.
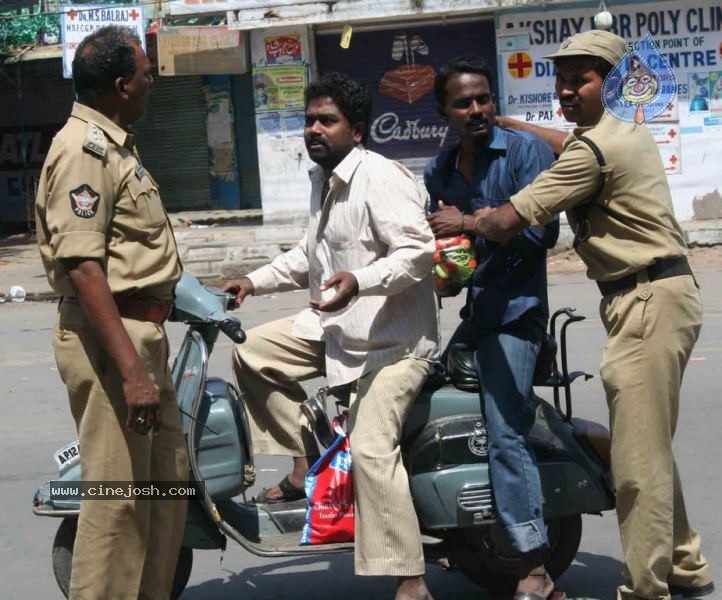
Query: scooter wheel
{"points": [[63, 553], [63, 559], [484, 555]]}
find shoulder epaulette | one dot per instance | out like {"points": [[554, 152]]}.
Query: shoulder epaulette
{"points": [[95, 141]]}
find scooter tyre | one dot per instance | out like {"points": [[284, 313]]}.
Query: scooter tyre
{"points": [[63, 559], [499, 574]]}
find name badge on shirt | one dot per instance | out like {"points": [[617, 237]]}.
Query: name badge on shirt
{"points": [[139, 172]]}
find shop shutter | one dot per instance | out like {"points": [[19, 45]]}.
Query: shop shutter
{"points": [[47, 98], [173, 145], [246, 142]]}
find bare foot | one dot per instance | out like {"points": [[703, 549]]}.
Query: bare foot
{"points": [[412, 588]]}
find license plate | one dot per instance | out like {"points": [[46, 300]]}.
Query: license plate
{"points": [[67, 455]]}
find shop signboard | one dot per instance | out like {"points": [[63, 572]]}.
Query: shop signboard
{"points": [[688, 35], [79, 21], [22, 153], [398, 67], [201, 51]]}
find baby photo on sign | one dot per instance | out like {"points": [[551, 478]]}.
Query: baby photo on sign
{"points": [[698, 92], [715, 83]]}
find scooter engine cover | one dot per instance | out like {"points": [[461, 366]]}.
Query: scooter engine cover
{"points": [[448, 442]]}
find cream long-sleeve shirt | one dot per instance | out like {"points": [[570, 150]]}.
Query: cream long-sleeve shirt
{"points": [[372, 224]]}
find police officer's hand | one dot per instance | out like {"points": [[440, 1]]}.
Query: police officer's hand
{"points": [[240, 288], [479, 215], [141, 396], [448, 221], [346, 288]]}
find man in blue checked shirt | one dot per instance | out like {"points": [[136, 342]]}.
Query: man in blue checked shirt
{"points": [[506, 311]]}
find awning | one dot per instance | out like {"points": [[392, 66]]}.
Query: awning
{"points": [[34, 53]]}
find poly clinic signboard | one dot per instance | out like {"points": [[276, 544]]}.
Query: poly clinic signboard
{"points": [[78, 22], [688, 35]]}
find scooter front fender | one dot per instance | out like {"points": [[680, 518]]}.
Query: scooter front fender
{"points": [[49, 502]]}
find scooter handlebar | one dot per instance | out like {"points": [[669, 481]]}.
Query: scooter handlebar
{"points": [[233, 329]]}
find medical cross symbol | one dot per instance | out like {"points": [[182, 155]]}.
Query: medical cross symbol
{"points": [[673, 159], [672, 133], [134, 14], [520, 65], [72, 14]]}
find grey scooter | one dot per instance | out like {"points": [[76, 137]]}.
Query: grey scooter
{"points": [[444, 446]]}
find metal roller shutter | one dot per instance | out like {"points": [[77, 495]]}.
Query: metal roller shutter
{"points": [[173, 144]]}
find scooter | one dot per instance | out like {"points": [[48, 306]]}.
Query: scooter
{"points": [[444, 445]]}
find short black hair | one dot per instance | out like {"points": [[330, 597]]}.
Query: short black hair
{"points": [[351, 97], [101, 58], [468, 63]]}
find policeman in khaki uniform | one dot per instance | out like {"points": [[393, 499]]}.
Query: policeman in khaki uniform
{"points": [[108, 248], [651, 309]]}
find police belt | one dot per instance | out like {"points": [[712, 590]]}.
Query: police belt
{"points": [[131, 307], [660, 269], [142, 309]]}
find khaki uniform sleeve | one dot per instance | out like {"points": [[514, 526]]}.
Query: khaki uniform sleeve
{"points": [[80, 198], [573, 178]]}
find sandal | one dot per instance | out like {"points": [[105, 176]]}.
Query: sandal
{"points": [[533, 596], [290, 493], [553, 595]]}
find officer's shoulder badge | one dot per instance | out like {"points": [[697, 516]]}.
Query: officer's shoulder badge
{"points": [[84, 201], [95, 140]]}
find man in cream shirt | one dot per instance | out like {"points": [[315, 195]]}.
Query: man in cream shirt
{"points": [[372, 322]]}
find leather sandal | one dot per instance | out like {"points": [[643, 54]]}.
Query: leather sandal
{"points": [[290, 493], [553, 595]]}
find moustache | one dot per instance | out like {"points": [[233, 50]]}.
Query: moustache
{"points": [[316, 140]]}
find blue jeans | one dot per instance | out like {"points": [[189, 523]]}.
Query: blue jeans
{"points": [[505, 361]]}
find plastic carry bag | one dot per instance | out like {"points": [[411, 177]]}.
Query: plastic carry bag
{"points": [[329, 489], [454, 265]]}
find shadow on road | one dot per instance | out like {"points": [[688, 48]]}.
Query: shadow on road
{"points": [[593, 577], [316, 578]]}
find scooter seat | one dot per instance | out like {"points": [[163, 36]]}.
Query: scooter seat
{"points": [[461, 368]]}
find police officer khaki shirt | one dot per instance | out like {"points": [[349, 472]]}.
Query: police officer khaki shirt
{"points": [[371, 223], [96, 200], [632, 222]]}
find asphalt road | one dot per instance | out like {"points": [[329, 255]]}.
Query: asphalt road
{"points": [[35, 422]]}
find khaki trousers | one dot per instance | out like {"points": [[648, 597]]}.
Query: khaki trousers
{"points": [[268, 367], [126, 548], [651, 332]]}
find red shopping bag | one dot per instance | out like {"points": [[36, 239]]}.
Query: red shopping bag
{"points": [[329, 489]]}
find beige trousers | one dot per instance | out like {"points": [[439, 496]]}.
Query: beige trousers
{"points": [[268, 367], [651, 332], [126, 548]]}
